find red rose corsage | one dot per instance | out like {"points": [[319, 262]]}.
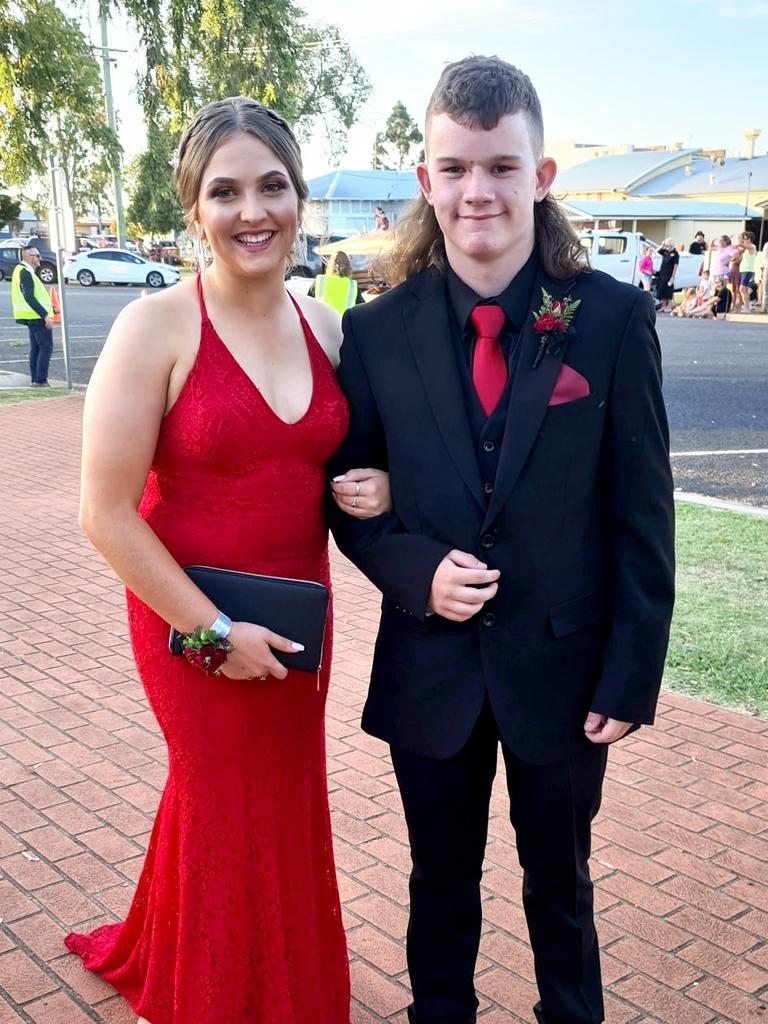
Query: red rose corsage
{"points": [[552, 322], [205, 649]]}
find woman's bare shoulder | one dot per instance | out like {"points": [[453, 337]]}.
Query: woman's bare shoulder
{"points": [[325, 323], [166, 315]]}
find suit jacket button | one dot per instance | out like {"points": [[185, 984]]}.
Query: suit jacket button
{"points": [[489, 619], [487, 540], [488, 488], [488, 446]]}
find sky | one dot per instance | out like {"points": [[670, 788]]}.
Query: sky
{"points": [[645, 72]]}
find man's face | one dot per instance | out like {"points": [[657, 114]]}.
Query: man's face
{"points": [[482, 185], [32, 256]]}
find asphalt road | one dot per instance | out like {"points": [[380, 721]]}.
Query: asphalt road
{"points": [[715, 383]]}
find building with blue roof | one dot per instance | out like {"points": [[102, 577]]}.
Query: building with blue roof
{"points": [[605, 177], [344, 202], [669, 193]]}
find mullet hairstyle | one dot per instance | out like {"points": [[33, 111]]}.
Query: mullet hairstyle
{"points": [[477, 92]]}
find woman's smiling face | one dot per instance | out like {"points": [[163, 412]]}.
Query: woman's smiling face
{"points": [[247, 208]]}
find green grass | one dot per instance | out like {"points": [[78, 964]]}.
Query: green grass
{"points": [[719, 643], [8, 395]]}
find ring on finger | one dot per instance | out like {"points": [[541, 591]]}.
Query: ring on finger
{"points": [[354, 501], [264, 676], [357, 484]]}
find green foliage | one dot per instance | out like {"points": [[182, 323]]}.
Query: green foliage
{"points": [[380, 158], [401, 133], [154, 208], [9, 210], [50, 90], [201, 50]]}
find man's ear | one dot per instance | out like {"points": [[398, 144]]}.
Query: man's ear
{"points": [[422, 176], [546, 169]]}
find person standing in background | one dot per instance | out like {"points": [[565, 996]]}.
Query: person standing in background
{"points": [[645, 268], [764, 280], [32, 307], [747, 270], [698, 245], [336, 288], [665, 281]]}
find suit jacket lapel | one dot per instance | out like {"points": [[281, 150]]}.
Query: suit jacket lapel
{"points": [[429, 333], [529, 397]]}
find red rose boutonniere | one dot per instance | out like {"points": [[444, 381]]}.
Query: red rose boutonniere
{"points": [[205, 649], [552, 323]]}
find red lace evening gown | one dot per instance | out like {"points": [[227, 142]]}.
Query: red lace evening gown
{"points": [[236, 918]]}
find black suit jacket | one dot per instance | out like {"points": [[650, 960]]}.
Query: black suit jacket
{"points": [[580, 522]]}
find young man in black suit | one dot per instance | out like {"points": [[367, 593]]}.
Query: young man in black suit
{"points": [[527, 567]]}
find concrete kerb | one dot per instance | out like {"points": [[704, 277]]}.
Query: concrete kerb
{"points": [[10, 380], [720, 503]]}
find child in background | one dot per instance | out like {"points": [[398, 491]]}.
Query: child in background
{"points": [[645, 268]]}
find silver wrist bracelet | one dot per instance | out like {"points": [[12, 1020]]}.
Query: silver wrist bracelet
{"points": [[221, 625]]}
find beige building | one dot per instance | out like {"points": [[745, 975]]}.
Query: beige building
{"points": [[715, 194]]}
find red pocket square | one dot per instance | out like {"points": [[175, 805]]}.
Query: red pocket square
{"points": [[569, 386]]}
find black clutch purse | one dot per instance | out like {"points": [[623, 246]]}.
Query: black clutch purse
{"points": [[296, 609]]}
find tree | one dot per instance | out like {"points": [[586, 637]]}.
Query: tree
{"points": [[380, 160], [393, 147], [201, 50], [154, 207], [402, 132], [9, 210], [50, 90]]}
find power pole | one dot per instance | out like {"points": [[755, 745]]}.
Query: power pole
{"points": [[116, 169]]}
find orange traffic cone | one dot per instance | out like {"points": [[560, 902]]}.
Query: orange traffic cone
{"points": [[56, 318]]}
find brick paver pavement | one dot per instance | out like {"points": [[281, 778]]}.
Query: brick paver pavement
{"points": [[681, 844]]}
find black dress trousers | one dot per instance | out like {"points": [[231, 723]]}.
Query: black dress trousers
{"points": [[446, 806]]}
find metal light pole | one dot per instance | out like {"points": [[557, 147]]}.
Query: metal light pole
{"points": [[57, 221], [116, 170]]}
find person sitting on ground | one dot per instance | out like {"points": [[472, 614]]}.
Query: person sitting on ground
{"points": [[336, 288], [721, 299], [695, 299], [688, 303], [704, 291]]}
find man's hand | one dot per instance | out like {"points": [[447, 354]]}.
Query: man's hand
{"points": [[461, 586], [48, 322], [600, 729]]}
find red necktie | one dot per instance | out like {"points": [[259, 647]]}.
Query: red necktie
{"points": [[489, 367]]}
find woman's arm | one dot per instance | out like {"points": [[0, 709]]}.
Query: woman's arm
{"points": [[124, 408], [125, 405]]}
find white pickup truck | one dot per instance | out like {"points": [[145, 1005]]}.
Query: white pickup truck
{"points": [[617, 252]]}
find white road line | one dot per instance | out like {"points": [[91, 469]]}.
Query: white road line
{"points": [[724, 451]]}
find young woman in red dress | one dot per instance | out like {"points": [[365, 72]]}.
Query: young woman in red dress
{"points": [[208, 422]]}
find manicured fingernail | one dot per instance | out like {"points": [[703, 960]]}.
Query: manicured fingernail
{"points": [[297, 647], [339, 479]]}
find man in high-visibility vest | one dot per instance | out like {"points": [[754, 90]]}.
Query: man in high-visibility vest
{"points": [[32, 307], [337, 288]]}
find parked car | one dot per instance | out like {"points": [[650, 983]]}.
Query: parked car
{"points": [[10, 255], [166, 251], [617, 252], [117, 266]]}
